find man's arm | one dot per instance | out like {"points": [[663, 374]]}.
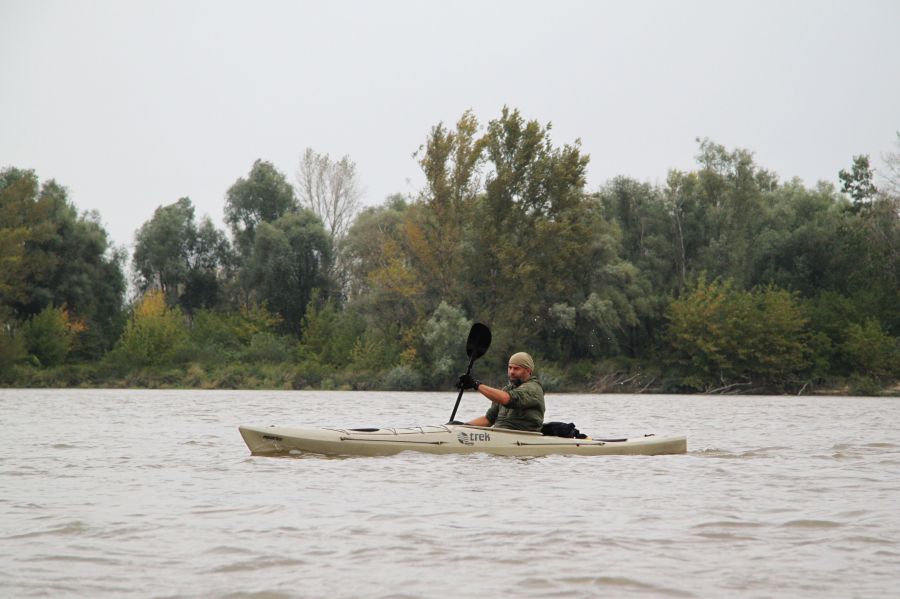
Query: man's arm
{"points": [[495, 395]]}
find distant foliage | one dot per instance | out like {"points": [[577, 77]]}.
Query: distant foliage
{"points": [[188, 263], [719, 336], [870, 350], [402, 378], [50, 335], [12, 346], [268, 348], [226, 333], [722, 278], [858, 181], [331, 189], [329, 334], [263, 196], [444, 336], [374, 352], [290, 260], [155, 334], [50, 255]]}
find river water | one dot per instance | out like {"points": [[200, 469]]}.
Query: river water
{"points": [[154, 494]]}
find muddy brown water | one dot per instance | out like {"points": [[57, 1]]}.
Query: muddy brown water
{"points": [[153, 494]]}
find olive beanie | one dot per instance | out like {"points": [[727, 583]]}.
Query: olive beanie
{"points": [[522, 359]]}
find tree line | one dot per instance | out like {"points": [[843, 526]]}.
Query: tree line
{"points": [[724, 278]]}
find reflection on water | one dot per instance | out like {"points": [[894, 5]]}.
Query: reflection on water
{"points": [[153, 493]]}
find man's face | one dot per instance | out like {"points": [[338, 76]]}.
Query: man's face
{"points": [[517, 374]]}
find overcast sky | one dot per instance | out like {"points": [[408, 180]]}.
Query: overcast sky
{"points": [[134, 104]]}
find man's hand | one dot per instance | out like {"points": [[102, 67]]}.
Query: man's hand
{"points": [[467, 381]]}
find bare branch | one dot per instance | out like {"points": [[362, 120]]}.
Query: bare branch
{"points": [[330, 189]]}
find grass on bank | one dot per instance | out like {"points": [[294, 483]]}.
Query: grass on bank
{"points": [[577, 378]]}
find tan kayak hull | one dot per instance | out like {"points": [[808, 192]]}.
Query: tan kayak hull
{"points": [[444, 439]]}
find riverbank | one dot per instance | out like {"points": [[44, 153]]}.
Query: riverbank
{"points": [[293, 377]]}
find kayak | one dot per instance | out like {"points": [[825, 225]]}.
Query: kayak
{"points": [[444, 439]]}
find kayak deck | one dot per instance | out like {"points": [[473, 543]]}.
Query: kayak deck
{"points": [[444, 439]]}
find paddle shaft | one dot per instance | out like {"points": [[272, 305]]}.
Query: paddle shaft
{"points": [[459, 397]]}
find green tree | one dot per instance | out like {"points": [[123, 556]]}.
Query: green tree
{"points": [[443, 336], [385, 287], [183, 260], [795, 247], [434, 230], [374, 352], [211, 263], [857, 182], [648, 241], [507, 248], [263, 197], [641, 213], [290, 259], [50, 335], [219, 334], [868, 246], [54, 256], [719, 336], [22, 220], [162, 248], [719, 212], [872, 351], [541, 247], [371, 230], [329, 334]]}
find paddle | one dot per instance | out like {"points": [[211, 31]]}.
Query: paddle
{"points": [[476, 345]]}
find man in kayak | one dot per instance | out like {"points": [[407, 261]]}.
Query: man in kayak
{"points": [[518, 405]]}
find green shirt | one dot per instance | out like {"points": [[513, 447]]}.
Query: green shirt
{"points": [[525, 410]]}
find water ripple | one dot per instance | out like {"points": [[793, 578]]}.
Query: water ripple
{"points": [[257, 563], [70, 528], [812, 524]]}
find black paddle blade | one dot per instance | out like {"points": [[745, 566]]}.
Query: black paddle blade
{"points": [[479, 341], [476, 345]]}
